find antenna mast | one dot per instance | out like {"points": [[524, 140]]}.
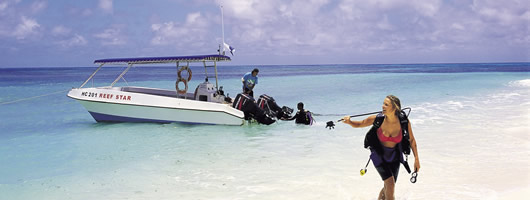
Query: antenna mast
{"points": [[223, 29]]}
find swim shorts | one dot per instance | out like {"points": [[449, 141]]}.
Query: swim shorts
{"points": [[386, 170]]}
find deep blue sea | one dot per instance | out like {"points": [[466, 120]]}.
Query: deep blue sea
{"points": [[471, 122]]}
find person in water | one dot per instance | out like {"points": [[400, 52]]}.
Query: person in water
{"points": [[302, 116], [250, 80], [389, 135]]}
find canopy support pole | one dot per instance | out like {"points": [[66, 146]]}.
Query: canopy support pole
{"points": [[121, 75], [91, 76], [216, 79]]}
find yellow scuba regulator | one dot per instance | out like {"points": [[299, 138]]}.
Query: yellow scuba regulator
{"points": [[363, 171]]}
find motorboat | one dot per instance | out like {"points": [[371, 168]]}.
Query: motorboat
{"points": [[207, 104]]}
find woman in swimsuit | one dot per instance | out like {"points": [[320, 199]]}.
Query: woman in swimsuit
{"points": [[389, 135]]}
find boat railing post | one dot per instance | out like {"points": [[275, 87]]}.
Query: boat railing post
{"points": [[205, 69], [91, 76], [178, 68], [216, 82], [121, 75], [187, 67]]}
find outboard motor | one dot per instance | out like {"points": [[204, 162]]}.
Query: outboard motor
{"points": [[246, 104], [287, 111], [269, 105]]}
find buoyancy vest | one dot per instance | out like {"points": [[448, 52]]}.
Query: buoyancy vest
{"points": [[372, 142], [303, 117], [309, 118]]}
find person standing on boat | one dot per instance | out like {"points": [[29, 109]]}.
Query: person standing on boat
{"points": [[250, 80]]}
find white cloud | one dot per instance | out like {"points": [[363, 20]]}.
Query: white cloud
{"points": [[106, 6], [83, 12], [293, 25], [86, 12], [458, 26], [164, 32], [195, 28], [7, 7], [112, 36], [26, 28], [501, 21], [252, 11], [427, 8], [193, 18], [63, 37], [330, 26], [38, 6], [281, 27], [526, 16], [60, 31], [502, 13], [76, 40], [384, 24], [3, 6], [342, 26]]}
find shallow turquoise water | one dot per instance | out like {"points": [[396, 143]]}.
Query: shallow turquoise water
{"points": [[51, 148]]}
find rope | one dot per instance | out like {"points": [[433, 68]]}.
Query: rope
{"points": [[34, 97]]}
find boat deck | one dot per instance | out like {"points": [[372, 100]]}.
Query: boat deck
{"points": [[158, 92]]}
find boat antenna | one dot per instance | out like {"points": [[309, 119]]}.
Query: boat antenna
{"points": [[223, 29]]}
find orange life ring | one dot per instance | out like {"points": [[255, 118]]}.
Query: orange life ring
{"points": [[185, 86], [187, 69]]}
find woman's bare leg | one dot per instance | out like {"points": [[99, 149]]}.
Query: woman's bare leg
{"points": [[381, 194], [389, 188]]}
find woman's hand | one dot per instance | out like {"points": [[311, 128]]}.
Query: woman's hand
{"points": [[417, 165], [346, 119]]}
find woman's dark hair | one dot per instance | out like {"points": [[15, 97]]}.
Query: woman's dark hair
{"points": [[255, 70]]}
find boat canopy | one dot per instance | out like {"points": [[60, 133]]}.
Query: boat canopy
{"points": [[184, 60], [171, 59]]}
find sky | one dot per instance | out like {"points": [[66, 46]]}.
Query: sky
{"points": [[66, 33]]}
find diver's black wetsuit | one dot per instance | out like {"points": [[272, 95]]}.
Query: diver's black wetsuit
{"points": [[301, 118]]}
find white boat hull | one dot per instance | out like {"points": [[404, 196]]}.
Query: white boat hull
{"points": [[114, 105]]}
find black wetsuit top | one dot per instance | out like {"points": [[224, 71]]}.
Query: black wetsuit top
{"points": [[301, 117]]}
